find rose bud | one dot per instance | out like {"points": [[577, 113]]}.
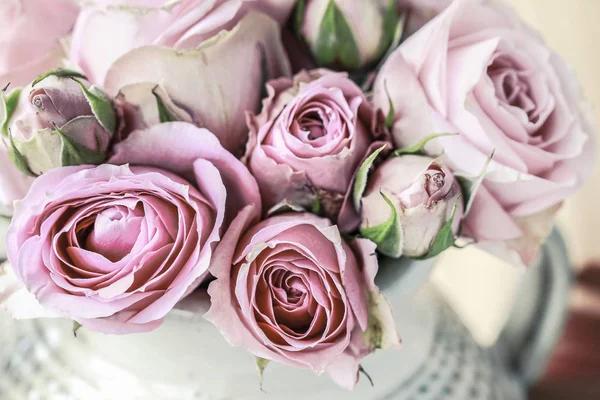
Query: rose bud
{"points": [[60, 120], [311, 136], [425, 196], [348, 34]]}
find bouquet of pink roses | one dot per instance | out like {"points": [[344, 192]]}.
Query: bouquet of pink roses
{"points": [[270, 152]]}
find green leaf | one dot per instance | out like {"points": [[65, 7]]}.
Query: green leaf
{"points": [[17, 158], [59, 73], [445, 237], [299, 17], [72, 153], [101, 106], [261, 363], [9, 104], [163, 112], [336, 41], [418, 148], [389, 27], [469, 186], [389, 119], [360, 182], [388, 235]]}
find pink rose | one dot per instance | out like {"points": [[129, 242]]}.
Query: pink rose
{"points": [[310, 137], [476, 69], [115, 247], [182, 50], [293, 291], [109, 29], [30, 33], [423, 192]]}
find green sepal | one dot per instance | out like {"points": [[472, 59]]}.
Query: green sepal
{"points": [[362, 175], [261, 363], [469, 186], [389, 119], [163, 112], [336, 41], [59, 73], [299, 17], [72, 153], [445, 237], [389, 27], [264, 74], [9, 104], [17, 158], [316, 205], [419, 147], [101, 106], [76, 327], [388, 235]]}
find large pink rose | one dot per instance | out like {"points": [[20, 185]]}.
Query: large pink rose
{"points": [[115, 247], [292, 290], [181, 50], [476, 69], [108, 29], [312, 134], [30, 34]]}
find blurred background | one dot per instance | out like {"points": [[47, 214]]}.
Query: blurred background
{"points": [[483, 290]]}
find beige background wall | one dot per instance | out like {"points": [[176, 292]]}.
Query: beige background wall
{"points": [[480, 287]]}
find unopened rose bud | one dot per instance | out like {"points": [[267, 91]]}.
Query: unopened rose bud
{"points": [[60, 120], [349, 34], [424, 194]]}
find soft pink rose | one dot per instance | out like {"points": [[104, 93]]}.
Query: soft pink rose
{"points": [[108, 29], [30, 33], [210, 77], [115, 247], [423, 192], [476, 69], [292, 290], [311, 136]]}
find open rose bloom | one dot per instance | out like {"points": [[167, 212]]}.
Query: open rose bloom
{"points": [[160, 155]]}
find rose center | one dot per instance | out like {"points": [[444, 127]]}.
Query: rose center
{"points": [[115, 232], [312, 123], [434, 181], [512, 86]]}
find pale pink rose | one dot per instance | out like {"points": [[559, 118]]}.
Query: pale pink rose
{"points": [[115, 247], [108, 29], [291, 290], [312, 134], [423, 192], [210, 83], [477, 70], [30, 34]]}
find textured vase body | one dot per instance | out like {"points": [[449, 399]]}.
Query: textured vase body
{"points": [[188, 359]]}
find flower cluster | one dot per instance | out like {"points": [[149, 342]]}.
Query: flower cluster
{"points": [[269, 152]]}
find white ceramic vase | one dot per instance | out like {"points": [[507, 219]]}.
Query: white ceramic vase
{"points": [[187, 358]]}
